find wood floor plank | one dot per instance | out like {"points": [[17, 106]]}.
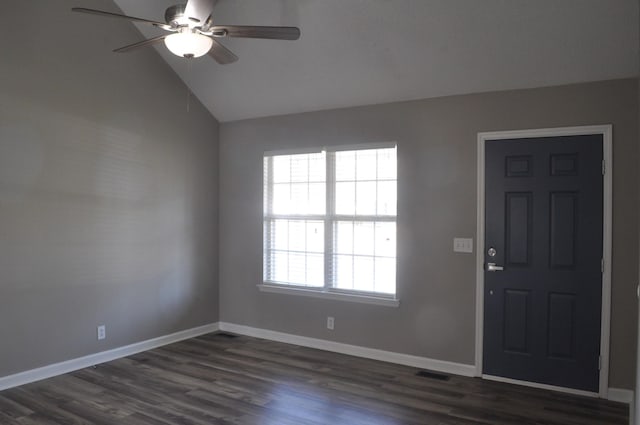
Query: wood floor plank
{"points": [[11, 409], [224, 380]]}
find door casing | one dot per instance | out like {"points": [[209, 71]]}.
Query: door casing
{"points": [[607, 146]]}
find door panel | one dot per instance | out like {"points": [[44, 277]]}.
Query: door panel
{"points": [[561, 325], [562, 238], [518, 228], [544, 212], [517, 313]]}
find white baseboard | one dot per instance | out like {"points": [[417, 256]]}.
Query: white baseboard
{"points": [[627, 397], [353, 350], [56, 369], [620, 395]]}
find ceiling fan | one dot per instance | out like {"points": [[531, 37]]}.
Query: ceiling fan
{"points": [[193, 33]]}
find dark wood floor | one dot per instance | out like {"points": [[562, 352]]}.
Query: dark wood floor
{"points": [[215, 379]]}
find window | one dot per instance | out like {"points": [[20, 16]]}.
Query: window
{"points": [[330, 220]]}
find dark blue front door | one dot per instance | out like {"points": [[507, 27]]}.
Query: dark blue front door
{"points": [[544, 227]]}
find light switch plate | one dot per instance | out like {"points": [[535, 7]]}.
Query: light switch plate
{"points": [[463, 245]]}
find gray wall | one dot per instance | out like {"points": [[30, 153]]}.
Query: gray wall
{"points": [[636, 405], [436, 201], [108, 190]]}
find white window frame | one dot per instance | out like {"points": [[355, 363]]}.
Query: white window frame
{"points": [[330, 218]]}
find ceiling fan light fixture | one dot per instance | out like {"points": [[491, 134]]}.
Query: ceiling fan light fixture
{"points": [[188, 44], [193, 32]]}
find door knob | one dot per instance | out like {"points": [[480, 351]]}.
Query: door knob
{"points": [[492, 267]]}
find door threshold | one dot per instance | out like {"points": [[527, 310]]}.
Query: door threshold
{"points": [[541, 386]]}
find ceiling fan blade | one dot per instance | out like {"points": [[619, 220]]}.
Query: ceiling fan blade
{"points": [[221, 54], [140, 44], [199, 10], [117, 15], [242, 31]]}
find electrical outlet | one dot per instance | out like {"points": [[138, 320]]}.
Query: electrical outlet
{"points": [[102, 332], [330, 322]]}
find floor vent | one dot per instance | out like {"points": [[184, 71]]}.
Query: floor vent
{"points": [[225, 335], [433, 375]]}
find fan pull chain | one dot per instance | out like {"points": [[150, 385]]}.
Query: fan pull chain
{"points": [[188, 99], [189, 72]]}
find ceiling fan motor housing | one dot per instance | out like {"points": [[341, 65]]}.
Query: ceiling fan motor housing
{"points": [[174, 15]]}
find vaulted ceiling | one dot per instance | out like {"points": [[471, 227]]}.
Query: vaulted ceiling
{"points": [[358, 52]]}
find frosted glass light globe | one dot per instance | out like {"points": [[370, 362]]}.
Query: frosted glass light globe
{"points": [[188, 44]]}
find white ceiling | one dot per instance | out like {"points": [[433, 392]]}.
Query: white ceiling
{"points": [[359, 52]]}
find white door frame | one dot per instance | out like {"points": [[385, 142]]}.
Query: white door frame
{"points": [[634, 415], [606, 131]]}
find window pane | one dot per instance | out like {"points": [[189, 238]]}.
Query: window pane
{"points": [[315, 236], [385, 239], [297, 269], [385, 275], [281, 169], [294, 249], [299, 198], [299, 203], [317, 168], [280, 235], [363, 274], [387, 198], [281, 198], [387, 164], [297, 235], [295, 253], [365, 198], [366, 164], [315, 270], [298, 185], [363, 238], [306, 270], [317, 198], [346, 166], [299, 168], [343, 237], [279, 267], [343, 265], [346, 198], [365, 256]]}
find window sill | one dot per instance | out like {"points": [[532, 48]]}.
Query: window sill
{"points": [[329, 295]]}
